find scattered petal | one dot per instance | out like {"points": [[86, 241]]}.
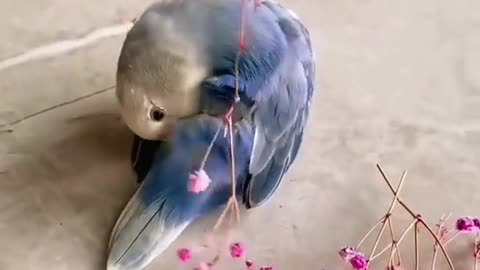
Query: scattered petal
{"points": [[237, 250], [468, 224], [198, 182], [184, 254]]}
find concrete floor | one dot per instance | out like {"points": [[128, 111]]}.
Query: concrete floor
{"points": [[399, 84]]}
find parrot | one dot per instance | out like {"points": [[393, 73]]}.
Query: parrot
{"points": [[179, 61], [185, 61]]}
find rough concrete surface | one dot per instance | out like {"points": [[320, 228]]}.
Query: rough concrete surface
{"points": [[399, 84]]}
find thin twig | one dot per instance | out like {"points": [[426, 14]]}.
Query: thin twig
{"points": [[476, 251], [390, 262], [440, 228], [232, 202], [395, 243], [370, 232], [232, 158], [444, 251], [209, 149], [222, 216], [239, 53], [451, 238], [389, 213], [417, 257], [393, 190], [419, 219], [402, 236]]}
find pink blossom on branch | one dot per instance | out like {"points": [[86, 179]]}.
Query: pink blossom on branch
{"points": [[468, 224], [198, 182], [354, 257]]}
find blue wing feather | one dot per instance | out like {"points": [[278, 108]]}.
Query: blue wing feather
{"points": [[277, 74]]}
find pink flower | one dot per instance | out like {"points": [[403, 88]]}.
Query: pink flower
{"points": [[347, 253], [468, 224], [354, 257], [184, 254], [237, 250], [198, 182], [359, 262]]}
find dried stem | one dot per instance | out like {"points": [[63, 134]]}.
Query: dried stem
{"points": [[209, 149], [416, 247], [232, 202], [395, 248], [451, 238], [402, 236], [389, 213], [440, 228], [232, 158], [476, 251], [418, 218], [370, 231], [384, 176], [222, 216], [390, 262]]}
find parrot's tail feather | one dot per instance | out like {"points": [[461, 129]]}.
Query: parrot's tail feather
{"points": [[123, 218], [142, 232]]}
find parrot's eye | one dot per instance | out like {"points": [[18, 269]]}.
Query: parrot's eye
{"points": [[156, 114]]}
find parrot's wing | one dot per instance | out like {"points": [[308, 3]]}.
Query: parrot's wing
{"points": [[145, 229], [276, 84], [280, 117]]}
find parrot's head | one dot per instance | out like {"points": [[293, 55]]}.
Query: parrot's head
{"points": [[177, 61], [158, 79]]}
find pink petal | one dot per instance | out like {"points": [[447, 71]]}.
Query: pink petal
{"points": [[198, 182], [347, 253], [468, 224], [359, 262], [184, 254], [237, 250]]}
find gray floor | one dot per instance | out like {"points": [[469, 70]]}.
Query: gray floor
{"points": [[399, 84]]}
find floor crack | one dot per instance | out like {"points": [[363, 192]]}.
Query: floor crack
{"points": [[61, 47]]}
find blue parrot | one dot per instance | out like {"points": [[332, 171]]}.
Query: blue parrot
{"points": [[176, 67]]}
